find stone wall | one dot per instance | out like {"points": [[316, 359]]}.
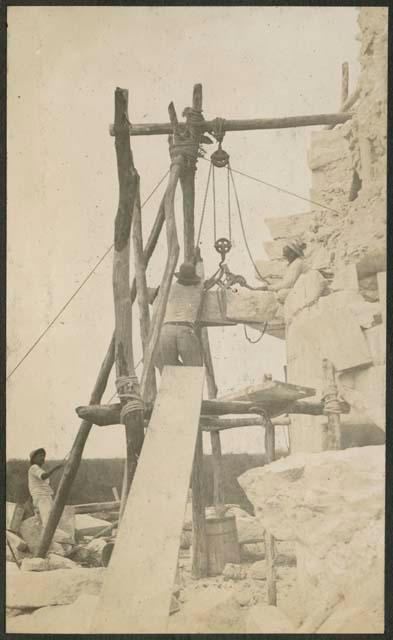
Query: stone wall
{"points": [[346, 242]]}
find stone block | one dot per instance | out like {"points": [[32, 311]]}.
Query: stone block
{"points": [[35, 564], [289, 226], [265, 619]]}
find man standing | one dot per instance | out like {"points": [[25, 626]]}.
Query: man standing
{"points": [[39, 487], [179, 342]]}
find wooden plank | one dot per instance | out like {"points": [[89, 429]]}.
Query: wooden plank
{"points": [[255, 124], [137, 590], [273, 391]]}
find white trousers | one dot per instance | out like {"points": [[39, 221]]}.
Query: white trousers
{"points": [[42, 506]]}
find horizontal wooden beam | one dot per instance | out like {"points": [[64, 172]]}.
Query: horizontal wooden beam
{"points": [[108, 414], [210, 423], [165, 128], [91, 507]]}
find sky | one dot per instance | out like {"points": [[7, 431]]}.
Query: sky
{"points": [[64, 64]]}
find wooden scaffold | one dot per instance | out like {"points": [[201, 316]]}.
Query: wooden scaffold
{"points": [[137, 397]]}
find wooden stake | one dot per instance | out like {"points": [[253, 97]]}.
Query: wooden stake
{"points": [[331, 401], [344, 83], [218, 487], [199, 538], [172, 258], [73, 462], [124, 357], [142, 293], [271, 576]]}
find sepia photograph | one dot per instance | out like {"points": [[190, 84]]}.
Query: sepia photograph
{"points": [[196, 319]]}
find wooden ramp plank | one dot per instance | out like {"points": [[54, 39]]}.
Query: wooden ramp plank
{"points": [[137, 589], [271, 393]]}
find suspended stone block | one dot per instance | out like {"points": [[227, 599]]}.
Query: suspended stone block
{"points": [[250, 306], [213, 312]]}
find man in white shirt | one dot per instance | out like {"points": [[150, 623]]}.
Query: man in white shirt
{"points": [[39, 486]]}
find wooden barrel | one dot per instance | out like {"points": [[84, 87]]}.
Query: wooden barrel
{"points": [[222, 543]]}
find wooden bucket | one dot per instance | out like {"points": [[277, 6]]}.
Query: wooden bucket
{"points": [[222, 543]]}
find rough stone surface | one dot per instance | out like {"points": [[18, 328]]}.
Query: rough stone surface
{"points": [[31, 532], [58, 562], [27, 590], [267, 619], [35, 564], [234, 572], [212, 610], [257, 571], [331, 504], [68, 619]]}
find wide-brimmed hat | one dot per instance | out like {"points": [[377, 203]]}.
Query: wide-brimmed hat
{"points": [[34, 453], [187, 275], [297, 246]]}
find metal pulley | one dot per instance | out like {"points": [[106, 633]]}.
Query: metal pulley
{"points": [[220, 158], [223, 246]]}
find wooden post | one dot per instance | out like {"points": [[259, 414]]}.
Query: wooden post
{"points": [[271, 576], [126, 380], [270, 444], [199, 538], [332, 406], [142, 293], [187, 178], [73, 462], [218, 487], [344, 83], [172, 258]]}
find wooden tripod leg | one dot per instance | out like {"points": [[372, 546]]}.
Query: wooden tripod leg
{"points": [[72, 464]]}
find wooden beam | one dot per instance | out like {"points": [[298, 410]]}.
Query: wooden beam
{"points": [[142, 292], [108, 414], [210, 423], [91, 507], [165, 128], [187, 177], [73, 462], [170, 266], [126, 380]]}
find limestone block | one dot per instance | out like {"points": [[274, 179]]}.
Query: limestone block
{"points": [[252, 306], [58, 562], [257, 571], [35, 564], [41, 589], [234, 572], [265, 619], [69, 619], [85, 525], [210, 610], [332, 503], [376, 342], [365, 390]]}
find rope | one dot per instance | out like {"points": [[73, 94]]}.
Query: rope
{"points": [[262, 333], [330, 400], [132, 406], [214, 205], [242, 225], [125, 384], [289, 193], [229, 204], [204, 205], [57, 316]]}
